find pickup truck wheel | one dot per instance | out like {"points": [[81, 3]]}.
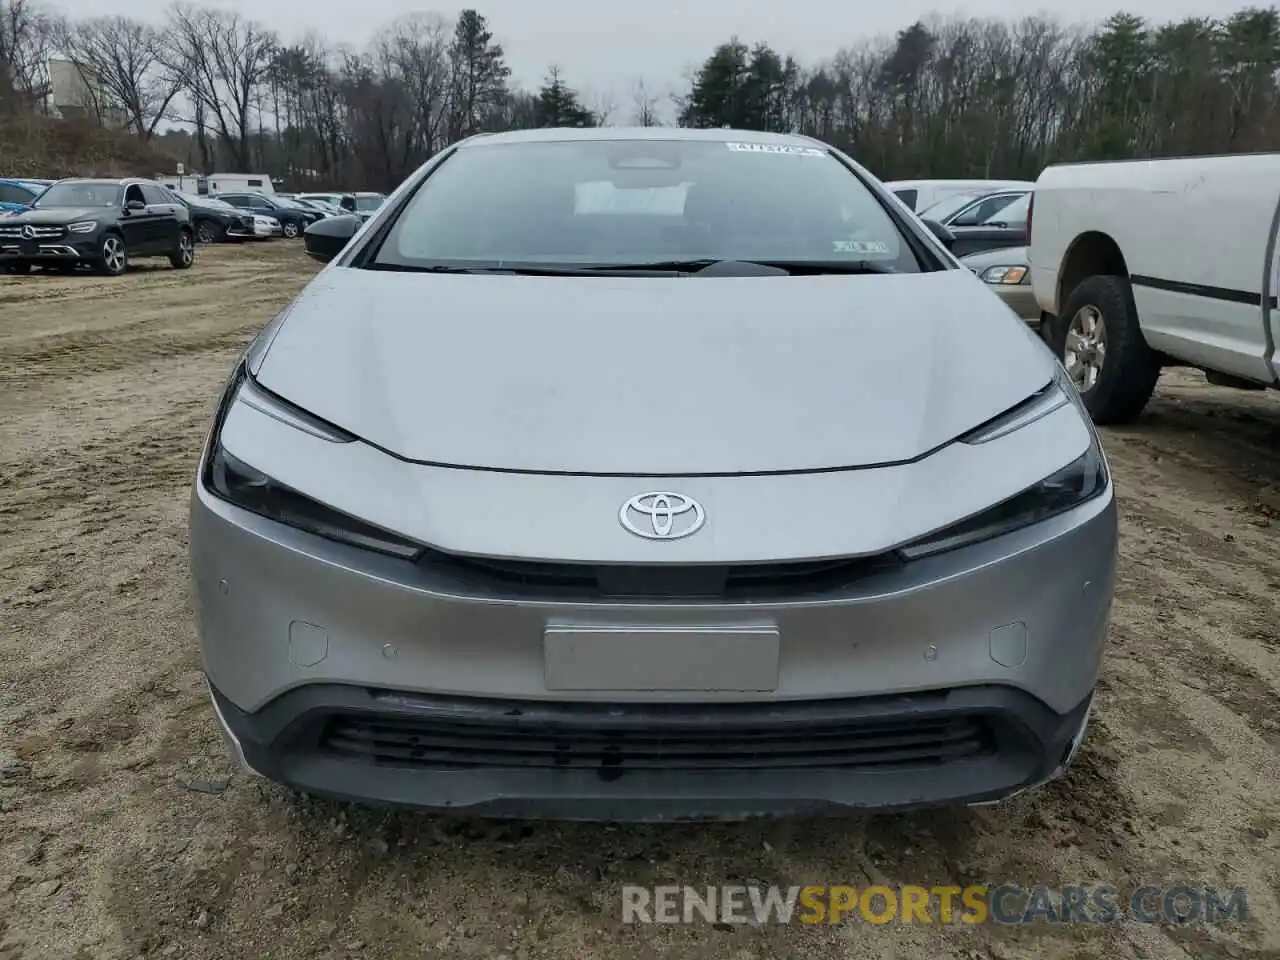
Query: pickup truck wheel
{"points": [[1097, 337]]}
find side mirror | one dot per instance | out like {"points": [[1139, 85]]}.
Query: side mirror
{"points": [[135, 205], [944, 235], [326, 238]]}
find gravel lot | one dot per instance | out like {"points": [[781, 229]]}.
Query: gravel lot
{"points": [[123, 832]]}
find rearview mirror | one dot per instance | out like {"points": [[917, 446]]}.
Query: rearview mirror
{"points": [[944, 235], [326, 238]]}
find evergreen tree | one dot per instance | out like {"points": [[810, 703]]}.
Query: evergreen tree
{"points": [[478, 72], [558, 104]]}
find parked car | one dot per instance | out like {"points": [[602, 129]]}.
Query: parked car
{"points": [[326, 208], [1008, 273], [212, 220], [1159, 263], [363, 205], [18, 194], [266, 228], [100, 223], [1007, 227], [495, 555], [971, 209], [920, 194], [293, 217], [333, 199]]}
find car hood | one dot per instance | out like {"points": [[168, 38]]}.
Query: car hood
{"points": [[59, 215], [638, 376]]}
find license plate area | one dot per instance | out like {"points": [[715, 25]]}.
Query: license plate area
{"points": [[29, 248], [637, 659]]}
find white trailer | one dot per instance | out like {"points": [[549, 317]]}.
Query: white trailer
{"points": [[239, 183]]}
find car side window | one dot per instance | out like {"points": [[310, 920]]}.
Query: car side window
{"points": [[133, 194], [260, 203], [908, 197], [978, 211], [156, 195]]}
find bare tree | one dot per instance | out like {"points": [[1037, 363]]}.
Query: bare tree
{"points": [[26, 40], [224, 60], [645, 112], [119, 60], [603, 107]]}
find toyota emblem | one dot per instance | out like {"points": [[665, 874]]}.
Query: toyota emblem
{"points": [[662, 515]]}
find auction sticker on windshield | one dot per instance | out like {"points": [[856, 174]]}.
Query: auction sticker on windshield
{"points": [[863, 247], [785, 149]]}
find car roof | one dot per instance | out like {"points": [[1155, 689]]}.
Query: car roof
{"points": [[716, 135]]}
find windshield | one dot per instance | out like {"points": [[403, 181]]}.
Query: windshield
{"points": [[949, 205], [367, 204], [1015, 212], [602, 202], [80, 194]]}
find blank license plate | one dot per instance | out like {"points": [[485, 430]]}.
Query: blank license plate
{"points": [[653, 658]]}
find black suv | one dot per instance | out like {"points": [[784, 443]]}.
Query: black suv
{"points": [[101, 223], [293, 217], [213, 221]]}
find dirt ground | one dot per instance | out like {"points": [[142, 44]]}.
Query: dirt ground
{"points": [[124, 833]]}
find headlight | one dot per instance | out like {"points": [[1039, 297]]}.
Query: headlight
{"points": [[243, 485], [83, 226], [1004, 275], [1077, 483]]}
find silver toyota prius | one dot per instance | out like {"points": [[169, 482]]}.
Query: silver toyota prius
{"points": [[645, 475]]}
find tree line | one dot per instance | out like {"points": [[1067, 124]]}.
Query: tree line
{"points": [[945, 97]]}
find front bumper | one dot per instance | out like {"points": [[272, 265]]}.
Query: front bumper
{"points": [[73, 248], [1003, 638], [654, 762], [1020, 299]]}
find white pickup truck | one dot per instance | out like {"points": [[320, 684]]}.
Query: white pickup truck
{"points": [[1140, 265]]}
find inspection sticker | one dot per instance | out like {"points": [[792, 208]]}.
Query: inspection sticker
{"points": [[861, 246], [782, 148]]}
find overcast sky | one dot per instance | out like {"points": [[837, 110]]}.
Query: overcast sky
{"points": [[603, 46]]}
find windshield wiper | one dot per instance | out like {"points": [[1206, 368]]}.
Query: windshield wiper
{"points": [[702, 266], [529, 270], [793, 267]]}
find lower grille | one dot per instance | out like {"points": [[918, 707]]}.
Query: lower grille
{"points": [[452, 744]]}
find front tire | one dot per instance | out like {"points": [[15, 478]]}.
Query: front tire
{"points": [[1097, 337], [290, 230], [113, 256], [184, 255], [209, 232]]}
